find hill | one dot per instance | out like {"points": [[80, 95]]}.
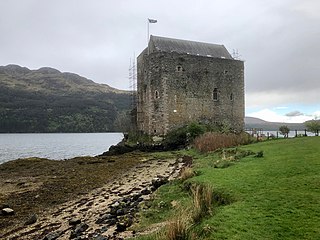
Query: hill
{"points": [[47, 100], [251, 122]]}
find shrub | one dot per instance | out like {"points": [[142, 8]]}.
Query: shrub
{"points": [[183, 136], [284, 130], [195, 130], [212, 141], [134, 137], [259, 154], [176, 138]]}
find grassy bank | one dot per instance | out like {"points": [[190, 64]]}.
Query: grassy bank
{"points": [[276, 196]]}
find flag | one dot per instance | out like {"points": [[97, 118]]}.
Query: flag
{"points": [[152, 20]]}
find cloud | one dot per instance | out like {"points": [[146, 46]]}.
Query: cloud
{"points": [[294, 114], [272, 116], [277, 39], [276, 97]]}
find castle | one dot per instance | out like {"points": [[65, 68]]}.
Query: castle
{"points": [[182, 81]]}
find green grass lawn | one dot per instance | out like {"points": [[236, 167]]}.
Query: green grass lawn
{"points": [[277, 196], [274, 197]]}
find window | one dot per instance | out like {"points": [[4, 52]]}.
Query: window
{"points": [[179, 69], [215, 94], [231, 97], [156, 94]]}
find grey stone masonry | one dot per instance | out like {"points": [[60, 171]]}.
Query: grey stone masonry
{"points": [[177, 85]]}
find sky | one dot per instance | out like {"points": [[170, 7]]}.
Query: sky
{"points": [[97, 39]]}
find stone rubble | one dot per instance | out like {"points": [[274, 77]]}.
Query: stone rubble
{"points": [[107, 212]]}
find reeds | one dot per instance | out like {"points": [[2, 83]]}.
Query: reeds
{"points": [[186, 173], [178, 229], [202, 201], [212, 141]]}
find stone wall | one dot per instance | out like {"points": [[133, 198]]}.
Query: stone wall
{"points": [[176, 89]]}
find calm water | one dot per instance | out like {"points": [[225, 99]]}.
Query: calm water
{"points": [[55, 145]]}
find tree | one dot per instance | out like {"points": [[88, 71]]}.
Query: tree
{"points": [[284, 130], [313, 126]]}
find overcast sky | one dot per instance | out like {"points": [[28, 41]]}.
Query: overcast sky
{"points": [[277, 39]]}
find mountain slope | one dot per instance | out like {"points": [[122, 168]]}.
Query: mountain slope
{"points": [[251, 122], [46, 100]]}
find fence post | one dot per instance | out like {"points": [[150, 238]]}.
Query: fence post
{"points": [[305, 133]]}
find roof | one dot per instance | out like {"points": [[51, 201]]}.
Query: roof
{"points": [[164, 44]]}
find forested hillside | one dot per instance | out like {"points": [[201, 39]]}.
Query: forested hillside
{"points": [[46, 100]]}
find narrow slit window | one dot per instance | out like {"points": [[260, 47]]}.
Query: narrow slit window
{"points": [[156, 93], [215, 94], [231, 97]]}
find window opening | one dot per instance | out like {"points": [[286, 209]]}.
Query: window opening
{"points": [[157, 94], [179, 69], [215, 94]]}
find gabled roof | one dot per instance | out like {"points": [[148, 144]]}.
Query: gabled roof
{"points": [[163, 44]]}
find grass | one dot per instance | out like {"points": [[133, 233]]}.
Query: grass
{"points": [[276, 196]]}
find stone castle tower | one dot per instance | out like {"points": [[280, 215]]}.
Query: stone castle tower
{"points": [[183, 81]]}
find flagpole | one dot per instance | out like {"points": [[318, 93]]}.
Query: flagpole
{"points": [[148, 22]]}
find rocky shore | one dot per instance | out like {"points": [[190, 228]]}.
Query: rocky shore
{"points": [[104, 212]]}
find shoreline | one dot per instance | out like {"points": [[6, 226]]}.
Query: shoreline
{"points": [[128, 176], [55, 146]]}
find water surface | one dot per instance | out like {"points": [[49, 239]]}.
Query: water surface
{"points": [[55, 145]]}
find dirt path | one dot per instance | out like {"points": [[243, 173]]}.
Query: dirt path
{"points": [[106, 212]]}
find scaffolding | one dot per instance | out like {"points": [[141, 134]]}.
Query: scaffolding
{"points": [[133, 83]]}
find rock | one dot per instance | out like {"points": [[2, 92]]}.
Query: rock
{"points": [[116, 204], [103, 218], [7, 211], [121, 227], [53, 235], [120, 212], [100, 237], [79, 230], [110, 222], [74, 221], [136, 196], [104, 229], [145, 191], [32, 219], [159, 181]]}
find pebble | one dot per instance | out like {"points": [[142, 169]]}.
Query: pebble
{"points": [[7, 211]]}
